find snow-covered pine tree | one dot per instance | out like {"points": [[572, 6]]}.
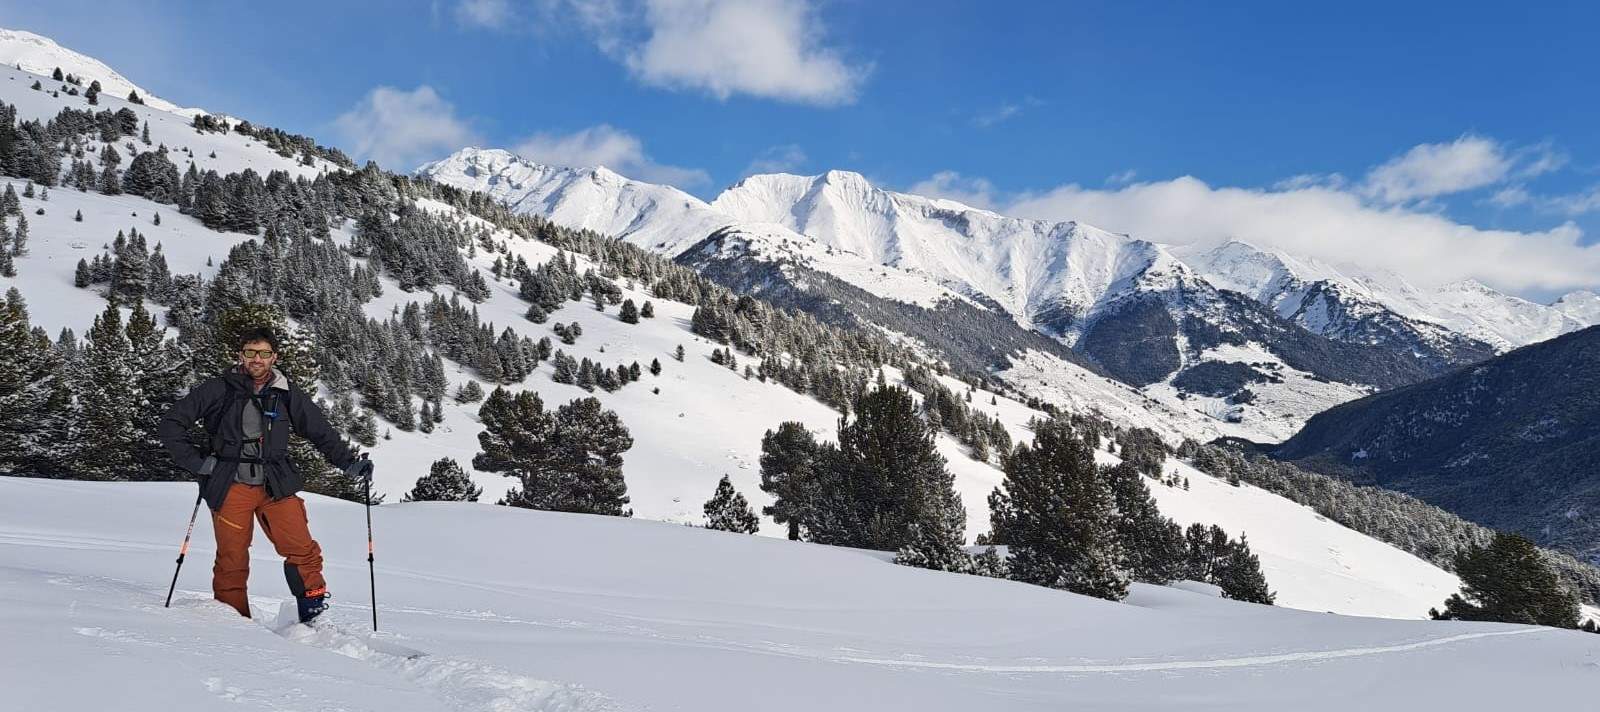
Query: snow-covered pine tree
{"points": [[160, 374], [469, 392], [1057, 516], [629, 312], [108, 401], [29, 378], [445, 482], [728, 511]]}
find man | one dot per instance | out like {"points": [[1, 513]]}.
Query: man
{"points": [[249, 411]]}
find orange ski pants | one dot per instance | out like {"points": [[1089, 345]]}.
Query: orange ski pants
{"points": [[284, 523]]}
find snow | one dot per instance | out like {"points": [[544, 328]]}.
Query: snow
{"points": [[707, 420], [1584, 306], [41, 55], [524, 610], [1468, 307], [656, 217], [1504, 321]]}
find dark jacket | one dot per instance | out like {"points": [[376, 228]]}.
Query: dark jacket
{"points": [[219, 404]]}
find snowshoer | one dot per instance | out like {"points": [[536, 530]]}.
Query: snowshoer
{"points": [[248, 412]]}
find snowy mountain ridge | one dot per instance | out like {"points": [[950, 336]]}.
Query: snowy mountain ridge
{"points": [[41, 55], [1065, 280]]}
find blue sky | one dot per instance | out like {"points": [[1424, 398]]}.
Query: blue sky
{"points": [[1469, 124]]}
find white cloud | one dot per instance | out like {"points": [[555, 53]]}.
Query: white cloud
{"points": [[777, 159], [1577, 203], [1510, 197], [400, 129], [490, 14], [1005, 111], [772, 49], [1122, 178], [997, 115], [1434, 169], [604, 145], [1544, 159], [1330, 224], [976, 192]]}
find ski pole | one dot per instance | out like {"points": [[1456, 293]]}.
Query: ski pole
{"points": [[372, 576], [185, 550]]}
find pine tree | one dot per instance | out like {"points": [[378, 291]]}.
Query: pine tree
{"points": [[1240, 576], [1207, 549], [19, 240], [109, 402], [30, 375], [445, 482], [648, 311], [629, 312], [1058, 517], [1508, 580], [160, 375], [886, 485], [788, 473], [568, 461], [728, 511], [470, 392], [8, 266], [678, 353], [1153, 544], [655, 367]]}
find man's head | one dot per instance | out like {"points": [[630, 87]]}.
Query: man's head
{"points": [[258, 352]]}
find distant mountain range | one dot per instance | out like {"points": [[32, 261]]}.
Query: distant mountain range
{"points": [[1512, 443], [1255, 340]]}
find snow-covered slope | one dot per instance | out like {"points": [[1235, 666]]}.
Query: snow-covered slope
{"points": [[1059, 278], [1350, 302], [656, 217], [706, 420], [1474, 308], [523, 610], [20, 49], [1581, 305], [1038, 271]]}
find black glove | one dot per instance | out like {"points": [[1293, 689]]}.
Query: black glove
{"points": [[360, 469]]}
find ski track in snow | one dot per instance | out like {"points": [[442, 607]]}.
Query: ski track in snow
{"points": [[1308, 656], [461, 684]]}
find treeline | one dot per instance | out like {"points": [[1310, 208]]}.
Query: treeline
{"points": [[1064, 521]]}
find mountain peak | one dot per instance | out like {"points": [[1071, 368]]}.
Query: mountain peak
{"points": [[41, 55]]}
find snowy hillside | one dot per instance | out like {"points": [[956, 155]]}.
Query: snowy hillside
{"points": [[20, 49], [657, 217], [610, 614], [1062, 279], [706, 420]]}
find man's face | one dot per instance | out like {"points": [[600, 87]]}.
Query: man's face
{"points": [[258, 358]]}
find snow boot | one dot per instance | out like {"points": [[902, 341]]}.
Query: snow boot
{"points": [[311, 606]]}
